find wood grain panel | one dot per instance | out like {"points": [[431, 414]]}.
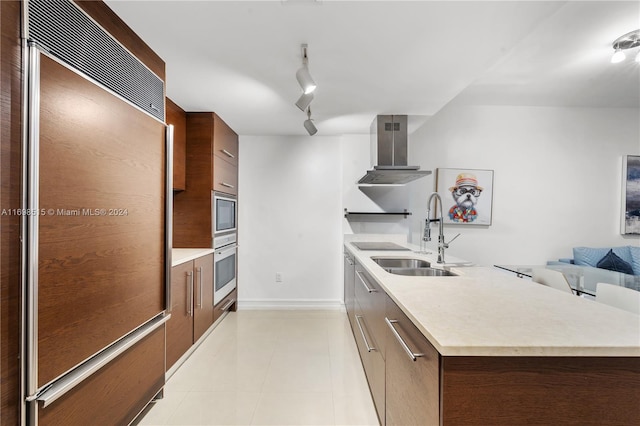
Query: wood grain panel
{"points": [[373, 307], [192, 208], [112, 23], [225, 176], [203, 299], [100, 276], [177, 117], [225, 139], [540, 390], [412, 387], [10, 176], [180, 325], [218, 311], [116, 393]]}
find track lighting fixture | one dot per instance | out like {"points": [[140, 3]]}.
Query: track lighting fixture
{"points": [[304, 77], [624, 42], [304, 100], [308, 124]]}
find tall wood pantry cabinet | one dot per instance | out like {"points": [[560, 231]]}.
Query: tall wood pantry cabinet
{"points": [[211, 165]]}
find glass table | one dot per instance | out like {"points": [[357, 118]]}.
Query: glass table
{"points": [[582, 279]]}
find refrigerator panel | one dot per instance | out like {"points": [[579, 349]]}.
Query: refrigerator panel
{"points": [[101, 253]]}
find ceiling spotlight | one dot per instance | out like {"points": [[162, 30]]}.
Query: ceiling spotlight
{"points": [[304, 77], [308, 124], [624, 42], [304, 100]]}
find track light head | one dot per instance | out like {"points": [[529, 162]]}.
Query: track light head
{"points": [[304, 100], [627, 41], [308, 124], [305, 80], [311, 128], [304, 77]]}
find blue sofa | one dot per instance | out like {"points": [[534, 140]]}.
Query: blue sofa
{"points": [[588, 256]]}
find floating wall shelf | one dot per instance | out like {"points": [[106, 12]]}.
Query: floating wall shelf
{"points": [[404, 213]]}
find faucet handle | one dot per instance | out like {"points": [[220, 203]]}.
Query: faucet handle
{"points": [[453, 239]]}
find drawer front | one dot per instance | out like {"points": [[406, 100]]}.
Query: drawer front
{"points": [[412, 384], [117, 392], [229, 303], [225, 176], [372, 360], [371, 298]]}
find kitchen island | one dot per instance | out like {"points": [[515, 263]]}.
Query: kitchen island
{"points": [[495, 349]]}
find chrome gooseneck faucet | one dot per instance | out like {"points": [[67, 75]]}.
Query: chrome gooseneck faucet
{"points": [[427, 228]]}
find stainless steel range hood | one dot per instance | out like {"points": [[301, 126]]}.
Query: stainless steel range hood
{"points": [[389, 140]]}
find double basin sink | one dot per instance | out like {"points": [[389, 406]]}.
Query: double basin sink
{"points": [[411, 267]]}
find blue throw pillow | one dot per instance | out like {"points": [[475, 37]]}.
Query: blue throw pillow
{"points": [[613, 263], [635, 259]]}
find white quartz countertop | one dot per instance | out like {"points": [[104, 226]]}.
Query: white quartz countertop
{"points": [[182, 255], [485, 312]]}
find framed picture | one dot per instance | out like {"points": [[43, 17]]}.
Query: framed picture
{"points": [[631, 194], [467, 195]]}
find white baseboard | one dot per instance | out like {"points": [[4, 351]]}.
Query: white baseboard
{"points": [[291, 304]]}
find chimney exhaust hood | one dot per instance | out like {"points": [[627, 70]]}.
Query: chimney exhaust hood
{"points": [[389, 153]]}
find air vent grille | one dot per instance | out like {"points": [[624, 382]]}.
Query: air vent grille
{"points": [[64, 30]]}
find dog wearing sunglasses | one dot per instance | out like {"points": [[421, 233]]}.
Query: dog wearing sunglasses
{"points": [[465, 193]]}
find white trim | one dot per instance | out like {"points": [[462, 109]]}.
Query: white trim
{"points": [[291, 304]]}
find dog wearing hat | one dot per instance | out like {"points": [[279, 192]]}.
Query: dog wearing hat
{"points": [[465, 193]]}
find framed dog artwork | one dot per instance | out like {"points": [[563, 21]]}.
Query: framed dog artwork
{"points": [[467, 195]]}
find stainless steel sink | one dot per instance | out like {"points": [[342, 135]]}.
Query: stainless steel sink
{"points": [[387, 262], [421, 272]]}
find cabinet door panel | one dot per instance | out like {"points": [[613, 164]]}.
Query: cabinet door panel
{"points": [[180, 325], [412, 387], [225, 141], [101, 243], [203, 297], [225, 176]]}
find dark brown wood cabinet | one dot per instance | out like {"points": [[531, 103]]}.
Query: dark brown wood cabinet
{"points": [[192, 311], [370, 336], [203, 297], [420, 386], [211, 164], [180, 325], [178, 118], [349, 286], [115, 394], [412, 382]]}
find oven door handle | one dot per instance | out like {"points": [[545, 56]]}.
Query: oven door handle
{"points": [[227, 251]]}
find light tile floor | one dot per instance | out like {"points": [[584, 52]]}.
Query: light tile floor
{"points": [[270, 368]]}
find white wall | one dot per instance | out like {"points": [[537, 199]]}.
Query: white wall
{"points": [[557, 180], [289, 216]]}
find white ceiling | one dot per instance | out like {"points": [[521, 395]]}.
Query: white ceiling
{"points": [[239, 58]]}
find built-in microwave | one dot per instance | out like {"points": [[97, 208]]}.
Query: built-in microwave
{"points": [[224, 214]]}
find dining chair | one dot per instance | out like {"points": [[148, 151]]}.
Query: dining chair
{"points": [[551, 278], [619, 297]]}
